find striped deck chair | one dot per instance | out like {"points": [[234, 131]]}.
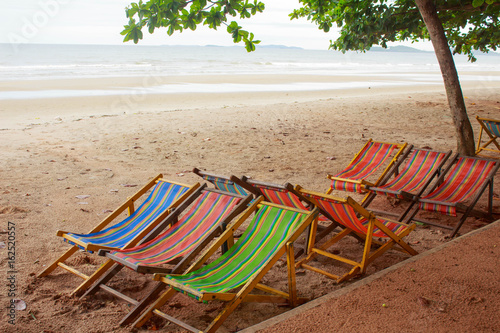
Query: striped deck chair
{"points": [[286, 195], [172, 250], [492, 128], [234, 275], [410, 183], [355, 219], [468, 179], [366, 162], [165, 196], [229, 184]]}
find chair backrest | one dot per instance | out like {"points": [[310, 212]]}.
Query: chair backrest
{"points": [[492, 125], [268, 232], [466, 177], [161, 198], [368, 160], [205, 215], [221, 183], [419, 168], [346, 212], [280, 194]]}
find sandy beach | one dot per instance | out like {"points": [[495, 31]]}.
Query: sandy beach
{"points": [[54, 149]]}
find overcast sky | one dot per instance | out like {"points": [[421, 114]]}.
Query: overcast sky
{"points": [[100, 22]]}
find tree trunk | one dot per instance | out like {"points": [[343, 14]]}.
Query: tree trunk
{"points": [[465, 135]]}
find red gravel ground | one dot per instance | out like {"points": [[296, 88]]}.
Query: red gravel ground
{"points": [[452, 288]]}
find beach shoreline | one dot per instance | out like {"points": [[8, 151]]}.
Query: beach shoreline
{"points": [[53, 100]]}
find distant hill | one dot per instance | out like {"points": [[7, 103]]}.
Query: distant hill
{"points": [[399, 48]]}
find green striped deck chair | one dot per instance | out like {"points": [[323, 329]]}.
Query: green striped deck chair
{"points": [[356, 219], [229, 184], [458, 190], [234, 275], [194, 224], [373, 156], [491, 128], [109, 234], [420, 168]]}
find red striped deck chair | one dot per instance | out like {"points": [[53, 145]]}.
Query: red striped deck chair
{"points": [[372, 157], [163, 198], [468, 179], [356, 219], [233, 276], [229, 184], [170, 251], [421, 167], [286, 195], [491, 128]]}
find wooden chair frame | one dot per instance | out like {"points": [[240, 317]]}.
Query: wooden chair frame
{"points": [[176, 267], [358, 267], [158, 224], [243, 295], [492, 138]]}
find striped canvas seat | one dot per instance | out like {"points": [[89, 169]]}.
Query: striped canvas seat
{"points": [[359, 221], [465, 179], [267, 232], [117, 236], [205, 215], [227, 184], [165, 196], [491, 128], [419, 170], [468, 175], [367, 161], [268, 237]]}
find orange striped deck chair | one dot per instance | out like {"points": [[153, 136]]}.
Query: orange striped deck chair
{"points": [[234, 276], [421, 167], [109, 234], [491, 128], [205, 215], [372, 157], [466, 178], [356, 219], [229, 184], [286, 195]]}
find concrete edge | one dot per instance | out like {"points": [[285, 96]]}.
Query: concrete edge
{"points": [[337, 293]]}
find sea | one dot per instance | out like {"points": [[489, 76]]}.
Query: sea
{"points": [[398, 65]]}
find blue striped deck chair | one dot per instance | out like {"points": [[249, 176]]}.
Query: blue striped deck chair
{"points": [[492, 128], [235, 274], [164, 196], [228, 184]]}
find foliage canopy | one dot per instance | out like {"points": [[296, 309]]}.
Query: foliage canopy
{"points": [[469, 25]]}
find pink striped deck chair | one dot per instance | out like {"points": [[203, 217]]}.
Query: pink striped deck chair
{"points": [[373, 155], [421, 167], [286, 195], [356, 219], [468, 179], [170, 251], [492, 129]]}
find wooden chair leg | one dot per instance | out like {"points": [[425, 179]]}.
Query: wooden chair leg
{"points": [[93, 278], [62, 258]]}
